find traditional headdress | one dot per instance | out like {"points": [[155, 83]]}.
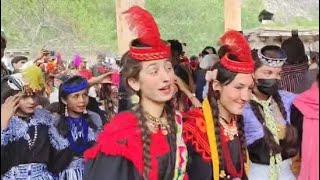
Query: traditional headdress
{"points": [[77, 60], [30, 80], [237, 46], [148, 34], [275, 61], [72, 88]]}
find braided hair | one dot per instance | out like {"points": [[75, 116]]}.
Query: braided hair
{"points": [[291, 135], [225, 77], [131, 69]]}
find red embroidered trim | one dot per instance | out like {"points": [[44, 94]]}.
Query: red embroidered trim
{"points": [[231, 169], [237, 66], [122, 137], [194, 133], [150, 53]]}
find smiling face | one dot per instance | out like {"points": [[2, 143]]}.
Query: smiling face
{"points": [[155, 81], [234, 95]]}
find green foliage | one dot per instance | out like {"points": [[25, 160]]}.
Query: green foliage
{"points": [[66, 23]]}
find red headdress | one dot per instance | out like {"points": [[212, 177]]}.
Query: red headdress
{"points": [[148, 34], [237, 46]]}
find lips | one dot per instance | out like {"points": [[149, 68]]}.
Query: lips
{"points": [[166, 89]]}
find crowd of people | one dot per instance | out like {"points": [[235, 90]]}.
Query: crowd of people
{"points": [[235, 113]]}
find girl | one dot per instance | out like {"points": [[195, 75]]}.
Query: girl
{"points": [[76, 125], [270, 137], [28, 139], [144, 142], [214, 134]]}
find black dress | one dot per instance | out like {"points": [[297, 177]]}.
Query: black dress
{"points": [[201, 169], [118, 153], [46, 153], [199, 156], [77, 144]]}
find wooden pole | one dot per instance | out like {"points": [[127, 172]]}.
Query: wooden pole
{"points": [[232, 15], [124, 35]]}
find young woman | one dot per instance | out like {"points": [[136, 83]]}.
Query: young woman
{"points": [[214, 134], [144, 142], [76, 125], [28, 138], [270, 137]]}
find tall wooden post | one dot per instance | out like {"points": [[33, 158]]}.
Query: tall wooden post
{"points": [[232, 15], [124, 35]]}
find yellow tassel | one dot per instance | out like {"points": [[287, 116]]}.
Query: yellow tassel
{"points": [[34, 77], [211, 138], [247, 164]]}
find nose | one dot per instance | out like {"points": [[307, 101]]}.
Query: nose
{"points": [[246, 95], [81, 99], [165, 76]]}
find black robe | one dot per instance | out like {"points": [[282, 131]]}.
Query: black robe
{"points": [[118, 152], [116, 167], [200, 169], [15, 149]]}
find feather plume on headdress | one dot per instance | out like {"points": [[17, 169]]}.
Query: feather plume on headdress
{"points": [[236, 44], [29, 80], [59, 59], [143, 24], [77, 60], [34, 78]]}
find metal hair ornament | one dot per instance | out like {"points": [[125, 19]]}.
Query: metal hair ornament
{"points": [[273, 62]]}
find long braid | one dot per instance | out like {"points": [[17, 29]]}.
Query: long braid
{"points": [[242, 139], [269, 139], [145, 133], [278, 100], [291, 136], [171, 120], [215, 112]]}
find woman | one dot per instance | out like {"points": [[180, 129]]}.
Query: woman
{"points": [[28, 139], [305, 116], [214, 134], [144, 142], [76, 125], [270, 137]]}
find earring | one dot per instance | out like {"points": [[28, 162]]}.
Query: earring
{"points": [[85, 111], [66, 111]]}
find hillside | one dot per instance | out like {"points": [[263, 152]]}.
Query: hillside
{"points": [[89, 26]]}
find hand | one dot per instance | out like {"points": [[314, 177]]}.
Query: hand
{"points": [[8, 109], [103, 78], [181, 85], [195, 102], [295, 166]]}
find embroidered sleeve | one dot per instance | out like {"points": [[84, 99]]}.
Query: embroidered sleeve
{"points": [[92, 135], [56, 140], [16, 129], [5, 136]]}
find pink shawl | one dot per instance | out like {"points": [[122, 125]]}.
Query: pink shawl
{"points": [[308, 104]]}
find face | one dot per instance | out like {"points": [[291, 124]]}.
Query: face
{"points": [[267, 72], [19, 64], [27, 104], [234, 95], [56, 82], [155, 81], [78, 101]]}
